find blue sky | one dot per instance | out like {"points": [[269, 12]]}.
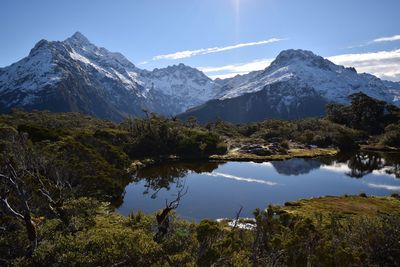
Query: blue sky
{"points": [[221, 37]]}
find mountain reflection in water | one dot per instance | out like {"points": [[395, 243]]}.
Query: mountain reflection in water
{"points": [[217, 189]]}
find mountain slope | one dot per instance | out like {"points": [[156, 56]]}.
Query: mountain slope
{"points": [[297, 84], [73, 75], [183, 86], [76, 75], [263, 104]]}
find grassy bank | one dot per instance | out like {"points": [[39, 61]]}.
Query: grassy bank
{"points": [[343, 206], [377, 147], [236, 155]]}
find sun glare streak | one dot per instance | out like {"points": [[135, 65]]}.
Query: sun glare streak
{"points": [[237, 18], [237, 8]]}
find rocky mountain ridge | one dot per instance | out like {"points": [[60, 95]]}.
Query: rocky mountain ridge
{"points": [[76, 75]]}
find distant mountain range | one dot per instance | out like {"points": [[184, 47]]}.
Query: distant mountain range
{"points": [[76, 75], [297, 84]]}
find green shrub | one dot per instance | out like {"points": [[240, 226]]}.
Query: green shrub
{"points": [[391, 137], [197, 143], [364, 113], [37, 133]]}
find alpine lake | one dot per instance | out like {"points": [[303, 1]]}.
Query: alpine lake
{"points": [[219, 189]]}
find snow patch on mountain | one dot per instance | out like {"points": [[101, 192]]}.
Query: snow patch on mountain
{"points": [[112, 65], [32, 72], [189, 86], [175, 88], [75, 71], [185, 85], [334, 83]]}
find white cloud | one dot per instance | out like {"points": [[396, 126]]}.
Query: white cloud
{"points": [[387, 39], [383, 64], [204, 51], [258, 64], [377, 41], [366, 57], [236, 69], [143, 63], [226, 76], [337, 167], [385, 186], [388, 171], [242, 179]]}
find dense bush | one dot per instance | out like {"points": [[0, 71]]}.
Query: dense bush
{"points": [[159, 136], [325, 133], [37, 133], [391, 137], [364, 113], [100, 237], [82, 162], [320, 132], [198, 143]]}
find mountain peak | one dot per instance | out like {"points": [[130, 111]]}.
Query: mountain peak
{"points": [[42, 44], [299, 56], [78, 38], [291, 54], [178, 66]]}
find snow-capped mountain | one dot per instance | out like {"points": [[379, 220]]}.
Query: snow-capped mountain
{"points": [[333, 82], [76, 75], [185, 86], [73, 75], [286, 87], [228, 84]]}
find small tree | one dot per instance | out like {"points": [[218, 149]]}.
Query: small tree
{"points": [[163, 217], [14, 172], [21, 177]]}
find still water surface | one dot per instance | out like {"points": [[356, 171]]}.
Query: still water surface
{"points": [[218, 190]]}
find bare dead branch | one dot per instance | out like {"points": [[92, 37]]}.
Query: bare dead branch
{"points": [[7, 179], [56, 206], [121, 263], [46, 194], [175, 203], [10, 210], [237, 217], [20, 164], [25, 214], [163, 217]]}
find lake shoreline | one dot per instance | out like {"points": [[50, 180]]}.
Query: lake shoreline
{"points": [[321, 209], [308, 153], [379, 148], [235, 155], [292, 153]]}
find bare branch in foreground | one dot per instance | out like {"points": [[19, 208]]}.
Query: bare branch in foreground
{"points": [[163, 217]]}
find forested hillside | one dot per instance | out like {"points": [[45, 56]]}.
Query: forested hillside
{"points": [[62, 175]]}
